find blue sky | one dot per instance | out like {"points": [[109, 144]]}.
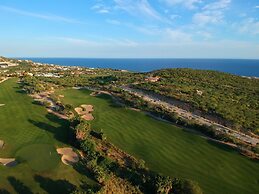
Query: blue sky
{"points": [[130, 28]]}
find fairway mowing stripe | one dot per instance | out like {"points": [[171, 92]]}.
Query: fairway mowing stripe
{"points": [[171, 150]]}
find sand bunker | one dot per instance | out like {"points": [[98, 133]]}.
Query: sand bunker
{"points": [[9, 162], [85, 112], [1, 144], [88, 117], [2, 104], [88, 108], [69, 157]]}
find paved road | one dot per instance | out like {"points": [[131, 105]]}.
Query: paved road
{"points": [[168, 105]]}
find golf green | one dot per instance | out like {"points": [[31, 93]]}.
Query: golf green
{"points": [[169, 149], [40, 157]]}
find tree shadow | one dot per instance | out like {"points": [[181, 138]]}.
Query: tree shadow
{"points": [[55, 186], [82, 169], [110, 100], [135, 176], [3, 191], [19, 89], [222, 146], [19, 186], [91, 188], [62, 133]]}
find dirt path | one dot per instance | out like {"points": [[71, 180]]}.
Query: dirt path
{"points": [[156, 100]]}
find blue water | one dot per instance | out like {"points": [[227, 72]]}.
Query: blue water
{"points": [[243, 67]]}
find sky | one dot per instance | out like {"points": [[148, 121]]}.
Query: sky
{"points": [[130, 28]]}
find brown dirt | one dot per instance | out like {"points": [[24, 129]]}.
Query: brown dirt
{"points": [[57, 114]]}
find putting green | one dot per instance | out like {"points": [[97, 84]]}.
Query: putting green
{"points": [[39, 157]]}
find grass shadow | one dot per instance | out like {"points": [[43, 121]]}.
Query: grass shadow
{"points": [[19, 186], [54, 186], [61, 133]]}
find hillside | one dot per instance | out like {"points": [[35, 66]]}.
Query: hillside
{"points": [[232, 98]]}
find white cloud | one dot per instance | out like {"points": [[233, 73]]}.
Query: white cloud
{"points": [[177, 36], [40, 16], [208, 17], [257, 7], [248, 26], [204, 35], [211, 13], [189, 4], [102, 42], [138, 7], [73, 47], [101, 8], [221, 4]]}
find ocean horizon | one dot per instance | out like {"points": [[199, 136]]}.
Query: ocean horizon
{"points": [[242, 67]]}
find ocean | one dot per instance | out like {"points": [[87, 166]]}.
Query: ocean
{"points": [[242, 67]]}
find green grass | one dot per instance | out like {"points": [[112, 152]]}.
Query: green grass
{"points": [[47, 157], [169, 149], [31, 135]]}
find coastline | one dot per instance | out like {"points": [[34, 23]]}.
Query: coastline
{"points": [[240, 67]]}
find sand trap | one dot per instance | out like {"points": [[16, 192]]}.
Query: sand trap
{"points": [[9, 162], [80, 111], [64, 151], [85, 112], [69, 157], [87, 108], [88, 117], [1, 144], [2, 104], [69, 160]]}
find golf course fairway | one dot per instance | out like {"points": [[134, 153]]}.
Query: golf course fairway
{"points": [[31, 136], [168, 149]]}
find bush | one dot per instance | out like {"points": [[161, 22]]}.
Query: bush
{"points": [[186, 187]]}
